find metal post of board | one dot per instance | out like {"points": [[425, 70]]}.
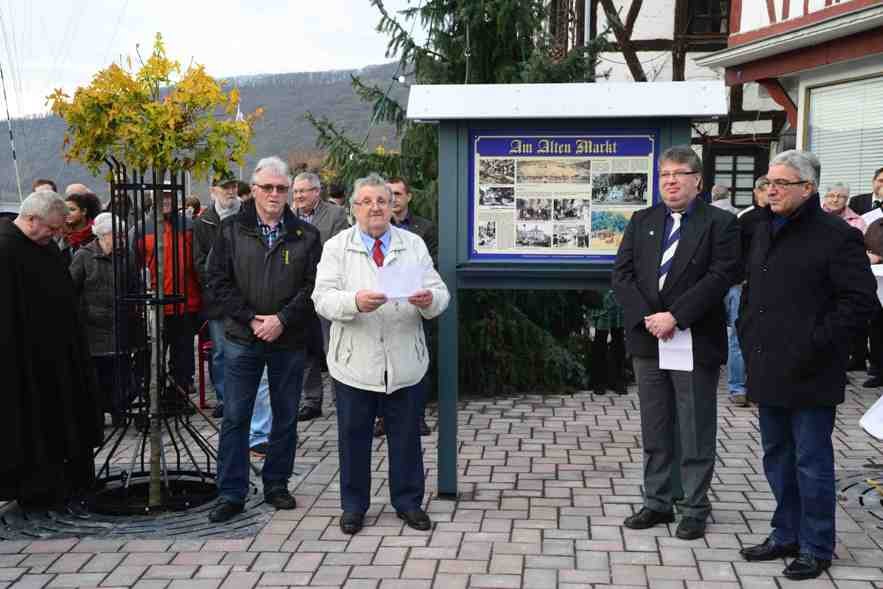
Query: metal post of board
{"points": [[448, 393]]}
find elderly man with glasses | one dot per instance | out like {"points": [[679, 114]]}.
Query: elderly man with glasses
{"points": [[330, 220], [262, 270], [808, 289], [378, 351]]}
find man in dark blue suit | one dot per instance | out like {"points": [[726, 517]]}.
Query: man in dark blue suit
{"points": [[676, 262]]}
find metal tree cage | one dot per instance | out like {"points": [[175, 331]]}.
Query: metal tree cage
{"points": [[168, 464]]}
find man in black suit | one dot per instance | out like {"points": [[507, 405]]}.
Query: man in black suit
{"points": [[863, 203], [677, 260]]}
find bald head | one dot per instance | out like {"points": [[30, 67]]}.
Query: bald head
{"points": [[77, 189]]}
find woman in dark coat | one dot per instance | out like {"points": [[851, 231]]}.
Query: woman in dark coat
{"points": [[92, 271]]}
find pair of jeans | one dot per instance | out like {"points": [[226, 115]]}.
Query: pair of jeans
{"points": [[244, 366], [356, 412], [262, 416], [216, 366], [798, 460], [735, 362]]}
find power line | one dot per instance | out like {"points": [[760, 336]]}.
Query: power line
{"points": [[11, 137]]}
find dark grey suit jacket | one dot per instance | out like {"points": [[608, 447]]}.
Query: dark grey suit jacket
{"points": [[329, 219], [706, 264]]}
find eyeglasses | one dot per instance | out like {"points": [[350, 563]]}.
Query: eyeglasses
{"points": [[372, 203], [779, 183], [280, 188], [299, 191], [677, 175]]}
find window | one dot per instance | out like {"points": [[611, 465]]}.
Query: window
{"points": [[845, 132], [708, 17], [735, 167]]}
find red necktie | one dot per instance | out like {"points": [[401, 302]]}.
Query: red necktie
{"points": [[378, 253]]}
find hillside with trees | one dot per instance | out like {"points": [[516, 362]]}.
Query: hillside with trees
{"points": [[282, 131]]}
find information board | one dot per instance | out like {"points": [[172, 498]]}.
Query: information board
{"points": [[558, 195]]}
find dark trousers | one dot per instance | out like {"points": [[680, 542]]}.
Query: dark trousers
{"points": [[798, 459], [678, 407], [875, 335], [179, 331], [115, 381], [607, 360], [243, 368], [356, 411]]}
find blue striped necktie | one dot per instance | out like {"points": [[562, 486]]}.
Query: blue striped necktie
{"points": [[671, 245]]}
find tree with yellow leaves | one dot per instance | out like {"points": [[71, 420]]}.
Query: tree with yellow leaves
{"points": [[150, 120]]}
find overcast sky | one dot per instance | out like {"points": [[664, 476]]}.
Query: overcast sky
{"points": [[61, 43]]}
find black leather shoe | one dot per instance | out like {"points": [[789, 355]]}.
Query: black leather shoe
{"points": [[218, 413], [647, 518], [690, 528], [351, 523], [307, 413], [620, 388], [379, 430], [598, 390], [416, 519], [769, 551], [224, 511], [424, 427], [806, 566], [280, 498], [260, 449], [873, 382]]}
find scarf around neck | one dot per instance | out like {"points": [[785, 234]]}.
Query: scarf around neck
{"points": [[224, 213]]}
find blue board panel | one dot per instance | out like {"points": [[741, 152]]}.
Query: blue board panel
{"points": [[535, 196]]}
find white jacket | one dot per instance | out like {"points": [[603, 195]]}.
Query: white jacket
{"points": [[389, 340]]}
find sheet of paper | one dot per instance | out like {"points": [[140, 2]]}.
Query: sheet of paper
{"points": [[877, 269], [872, 420], [677, 353], [873, 215], [400, 281]]}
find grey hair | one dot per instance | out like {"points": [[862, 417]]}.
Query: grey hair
{"points": [[682, 154], [719, 192], [839, 187], [373, 180], [804, 163], [310, 177], [271, 164], [43, 204], [761, 183], [103, 224]]}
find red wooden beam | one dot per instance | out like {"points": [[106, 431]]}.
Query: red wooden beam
{"points": [[834, 51], [777, 92]]}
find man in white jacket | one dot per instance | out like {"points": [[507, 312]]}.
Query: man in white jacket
{"points": [[377, 351]]}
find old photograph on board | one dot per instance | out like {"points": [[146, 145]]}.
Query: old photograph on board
{"points": [[553, 171], [531, 235], [570, 237], [496, 171], [571, 209], [486, 236], [533, 209], [620, 189], [608, 227], [496, 197]]}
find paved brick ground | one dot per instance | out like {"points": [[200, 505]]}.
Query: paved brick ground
{"points": [[545, 482]]}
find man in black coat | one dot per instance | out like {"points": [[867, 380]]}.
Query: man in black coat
{"points": [[261, 271], [51, 417], [676, 262], [863, 203], [809, 287], [206, 227]]}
